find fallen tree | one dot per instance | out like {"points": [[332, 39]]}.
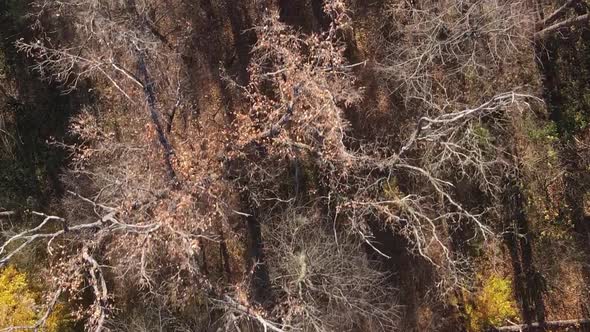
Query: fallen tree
{"points": [[554, 325]]}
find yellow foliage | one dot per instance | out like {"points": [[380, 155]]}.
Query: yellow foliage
{"points": [[18, 305], [17, 302], [492, 305]]}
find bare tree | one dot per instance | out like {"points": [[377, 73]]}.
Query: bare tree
{"points": [[324, 285], [434, 44]]}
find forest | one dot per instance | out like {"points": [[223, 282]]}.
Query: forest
{"points": [[294, 165]]}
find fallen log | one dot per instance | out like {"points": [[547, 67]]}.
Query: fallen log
{"points": [[550, 325]]}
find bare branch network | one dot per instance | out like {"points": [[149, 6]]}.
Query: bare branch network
{"points": [[158, 204]]}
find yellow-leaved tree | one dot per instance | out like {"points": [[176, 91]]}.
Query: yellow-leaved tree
{"points": [[18, 305], [17, 301], [492, 305]]}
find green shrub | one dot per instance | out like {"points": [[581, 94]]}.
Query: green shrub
{"points": [[482, 133], [543, 134]]}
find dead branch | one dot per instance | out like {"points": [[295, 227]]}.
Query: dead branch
{"points": [[578, 21], [557, 14], [107, 222], [7, 213], [434, 126], [99, 287], [233, 305]]}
